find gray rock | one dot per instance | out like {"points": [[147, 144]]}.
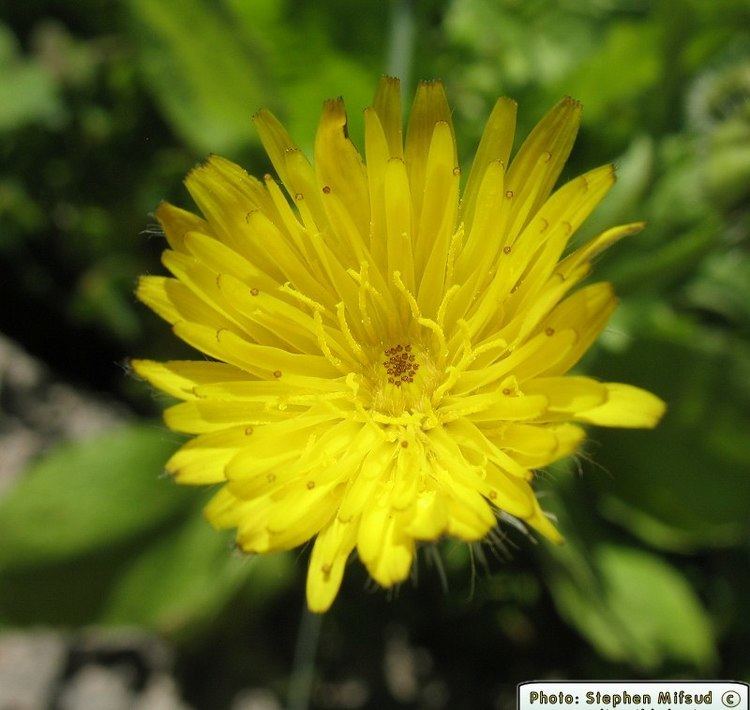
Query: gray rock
{"points": [[30, 667], [161, 693], [98, 687], [256, 699], [36, 411]]}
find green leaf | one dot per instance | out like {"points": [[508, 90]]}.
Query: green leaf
{"points": [[658, 264], [174, 579], [28, 93], [518, 42], [722, 287], [273, 28], [629, 51], [186, 576], [199, 72], [623, 203], [90, 495], [94, 535], [632, 606], [728, 166], [684, 485], [69, 592]]}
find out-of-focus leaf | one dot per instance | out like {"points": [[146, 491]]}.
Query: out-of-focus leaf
{"points": [[273, 29], [648, 266], [332, 73], [720, 97], [186, 576], [209, 95], [631, 605], [27, 92], [623, 203], [678, 199], [722, 286], [524, 43], [19, 214], [62, 592], [728, 166], [629, 52], [104, 297], [199, 72], [684, 485], [89, 495], [174, 579]]}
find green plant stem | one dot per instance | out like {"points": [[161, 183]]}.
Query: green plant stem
{"points": [[401, 42], [303, 670]]}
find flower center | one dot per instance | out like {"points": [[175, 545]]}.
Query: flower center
{"points": [[401, 366]]}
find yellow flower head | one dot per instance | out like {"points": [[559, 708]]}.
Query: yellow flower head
{"points": [[389, 352]]}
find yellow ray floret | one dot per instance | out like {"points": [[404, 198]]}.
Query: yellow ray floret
{"points": [[390, 354]]}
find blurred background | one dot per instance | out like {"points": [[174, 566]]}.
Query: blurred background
{"points": [[114, 593]]}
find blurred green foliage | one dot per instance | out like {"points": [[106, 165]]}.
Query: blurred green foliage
{"points": [[97, 510], [100, 117]]}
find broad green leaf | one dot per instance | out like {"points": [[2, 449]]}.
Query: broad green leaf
{"points": [[684, 485], [273, 28], [186, 576], [630, 52], [632, 606], [65, 592], [206, 81], [175, 580], [90, 495]]}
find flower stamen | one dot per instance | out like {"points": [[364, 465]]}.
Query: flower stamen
{"points": [[401, 365]]}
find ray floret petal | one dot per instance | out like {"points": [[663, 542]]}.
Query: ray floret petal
{"points": [[389, 352]]}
